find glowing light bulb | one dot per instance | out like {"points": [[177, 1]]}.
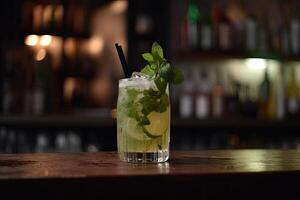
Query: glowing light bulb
{"points": [[31, 40], [46, 40], [256, 63]]}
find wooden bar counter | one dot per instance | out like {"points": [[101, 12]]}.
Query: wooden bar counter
{"points": [[213, 174]]}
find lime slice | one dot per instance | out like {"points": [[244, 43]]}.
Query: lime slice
{"points": [[159, 123]]}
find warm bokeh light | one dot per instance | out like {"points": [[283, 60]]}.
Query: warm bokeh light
{"points": [[119, 6], [45, 40], [96, 45], [70, 47], [256, 63], [37, 19], [31, 40], [47, 15], [58, 13], [40, 55], [69, 87]]}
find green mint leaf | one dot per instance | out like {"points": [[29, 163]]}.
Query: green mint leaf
{"points": [[132, 93], [153, 67], [144, 121], [148, 70], [177, 76], [148, 57], [130, 112], [130, 103], [166, 71], [161, 84], [163, 103], [153, 92], [157, 58], [148, 103], [156, 49]]}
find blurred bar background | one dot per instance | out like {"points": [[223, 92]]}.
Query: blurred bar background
{"points": [[59, 71]]}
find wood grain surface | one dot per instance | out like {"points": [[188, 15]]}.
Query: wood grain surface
{"points": [[214, 174]]}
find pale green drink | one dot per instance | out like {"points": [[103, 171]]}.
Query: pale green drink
{"points": [[143, 121]]}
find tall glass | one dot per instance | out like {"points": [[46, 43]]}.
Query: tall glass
{"points": [[137, 141]]}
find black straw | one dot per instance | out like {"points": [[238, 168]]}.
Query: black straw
{"points": [[126, 69]]}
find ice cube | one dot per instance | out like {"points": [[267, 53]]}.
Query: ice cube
{"points": [[139, 75], [137, 80]]}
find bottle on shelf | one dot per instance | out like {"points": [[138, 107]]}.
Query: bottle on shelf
{"points": [[275, 29], [218, 97], [280, 99], [37, 19], [248, 107], [225, 33], [193, 17], [232, 99], [42, 143], [186, 102], [7, 97], [262, 35], [295, 35], [292, 94], [250, 33], [266, 102], [285, 44], [42, 92], [202, 96], [206, 33]]}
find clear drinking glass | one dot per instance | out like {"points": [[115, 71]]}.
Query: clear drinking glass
{"points": [[138, 142]]}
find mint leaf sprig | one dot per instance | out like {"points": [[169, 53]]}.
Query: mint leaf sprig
{"points": [[159, 68], [162, 73]]}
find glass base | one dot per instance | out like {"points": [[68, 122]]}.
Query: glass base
{"points": [[145, 157]]}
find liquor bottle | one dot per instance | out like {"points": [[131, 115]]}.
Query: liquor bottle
{"points": [[251, 33], [224, 34], [38, 99], [275, 29], [7, 97], [42, 143], [58, 17], [206, 33], [202, 97], [193, 16], [292, 95], [262, 35], [285, 45], [37, 21], [186, 103], [295, 36], [232, 98], [276, 39], [280, 99], [43, 86], [266, 101], [61, 142], [248, 107], [218, 98], [235, 15], [216, 15]]}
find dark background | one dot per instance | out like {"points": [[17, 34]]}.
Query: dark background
{"points": [[58, 97]]}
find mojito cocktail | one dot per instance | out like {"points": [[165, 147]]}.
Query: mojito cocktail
{"points": [[143, 110], [142, 138]]}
